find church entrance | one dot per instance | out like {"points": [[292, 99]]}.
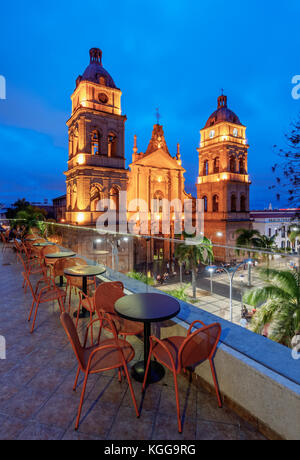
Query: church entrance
{"points": [[158, 249]]}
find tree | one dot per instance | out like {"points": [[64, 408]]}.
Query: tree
{"points": [[267, 243], [30, 217], [279, 304], [193, 254], [288, 170], [20, 205], [247, 238]]}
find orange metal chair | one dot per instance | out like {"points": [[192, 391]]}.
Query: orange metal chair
{"points": [[6, 243], [48, 293], [106, 296], [31, 268], [51, 249], [89, 302], [109, 354], [177, 353], [76, 282]]}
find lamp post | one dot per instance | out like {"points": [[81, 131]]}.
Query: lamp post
{"points": [[212, 268]]}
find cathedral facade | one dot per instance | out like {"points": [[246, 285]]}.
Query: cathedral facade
{"points": [[96, 165]]}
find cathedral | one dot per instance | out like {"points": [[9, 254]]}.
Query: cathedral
{"points": [[96, 165]]}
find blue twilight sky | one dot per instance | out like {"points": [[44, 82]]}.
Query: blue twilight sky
{"points": [[175, 55]]}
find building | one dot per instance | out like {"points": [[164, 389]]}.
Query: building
{"points": [[277, 222], [223, 181], [96, 166], [59, 208], [156, 176]]}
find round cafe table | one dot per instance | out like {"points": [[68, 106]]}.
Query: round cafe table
{"points": [[60, 255], [84, 271], [41, 245], [147, 308]]}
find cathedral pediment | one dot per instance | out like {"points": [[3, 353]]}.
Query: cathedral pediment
{"points": [[158, 159]]}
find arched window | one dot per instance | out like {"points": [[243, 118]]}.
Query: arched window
{"points": [[232, 164], [215, 203], [112, 144], [216, 165], [114, 198], [243, 203], [157, 204], [205, 203], [233, 203], [241, 166], [205, 168], [95, 142], [102, 81], [96, 197]]}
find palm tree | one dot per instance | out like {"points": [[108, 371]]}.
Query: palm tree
{"points": [[30, 217], [279, 304], [247, 238], [267, 243], [193, 254]]}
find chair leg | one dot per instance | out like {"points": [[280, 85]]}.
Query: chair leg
{"points": [[76, 379], [36, 310], [91, 319], [215, 382], [78, 311], [31, 310], [131, 391], [81, 400], [177, 403]]}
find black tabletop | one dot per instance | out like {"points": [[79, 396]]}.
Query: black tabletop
{"points": [[60, 255], [147, 307], [84, 270]]}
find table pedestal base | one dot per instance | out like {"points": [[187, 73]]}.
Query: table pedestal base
{"points": [[83, 314], [155, 374]]}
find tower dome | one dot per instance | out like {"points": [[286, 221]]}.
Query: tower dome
{"points": [[95, 71], [222, 114]]}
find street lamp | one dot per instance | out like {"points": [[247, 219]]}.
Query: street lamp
{"points": [[212, 268]]}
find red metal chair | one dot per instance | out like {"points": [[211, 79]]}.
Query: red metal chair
{"points": [[89, 302], [180, 353], [6, 243], [105, 298], [109, 354], [48, 293], [76, 282]]}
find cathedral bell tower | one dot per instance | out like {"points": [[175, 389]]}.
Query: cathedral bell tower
{"points": [[96, 165], [223, 181]]}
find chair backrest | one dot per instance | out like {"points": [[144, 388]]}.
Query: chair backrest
{"points": [[199, 346], [27, 279], [49, 250], [72, 334], [60, 265], [107, 294], [3, 237], [79, 261]]}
